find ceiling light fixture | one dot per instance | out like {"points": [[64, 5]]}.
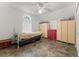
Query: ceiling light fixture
{"points": [[40, 11]]}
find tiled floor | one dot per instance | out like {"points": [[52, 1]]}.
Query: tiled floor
{"points": [[42, 48]]}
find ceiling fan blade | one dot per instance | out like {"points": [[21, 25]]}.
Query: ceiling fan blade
{"points": [[49, 10], [42, 6], [38, 5]]}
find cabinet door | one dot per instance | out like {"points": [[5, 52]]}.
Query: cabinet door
{"points": [[64, 31], [41, 29], [44, 28], [59, 30], [71, 31]]}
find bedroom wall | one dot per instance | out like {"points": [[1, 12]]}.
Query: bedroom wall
{"points": [[54, 16], [19, 21], [35, 23], [63, 13], [53, 24], [77, 31], [11, 20], [6, 21]]}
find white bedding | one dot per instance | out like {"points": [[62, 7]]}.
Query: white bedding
{"points": [[28, 35]]}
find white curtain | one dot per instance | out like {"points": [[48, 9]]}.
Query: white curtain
{"points": [[27, 25]]}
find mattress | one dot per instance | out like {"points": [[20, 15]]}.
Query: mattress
{"points": [[26, 36]]}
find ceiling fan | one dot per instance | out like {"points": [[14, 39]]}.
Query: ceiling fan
{"points": [[42, 7]]}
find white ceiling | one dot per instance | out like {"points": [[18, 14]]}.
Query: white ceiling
{"points": [[33, 7]]}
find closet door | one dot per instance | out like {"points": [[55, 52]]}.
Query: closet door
{"points": [[41, 29], [71, 31], [59, 30], [44, 29], [64, 31]]}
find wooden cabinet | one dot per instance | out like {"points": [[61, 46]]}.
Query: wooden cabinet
{"points": [[66, 31], [43, 27], [59, 30], [71, 31]]}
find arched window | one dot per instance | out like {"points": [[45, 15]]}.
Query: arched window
{"points": [[27, 24]]}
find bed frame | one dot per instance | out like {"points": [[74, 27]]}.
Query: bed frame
{"points": [[30, 40]]}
